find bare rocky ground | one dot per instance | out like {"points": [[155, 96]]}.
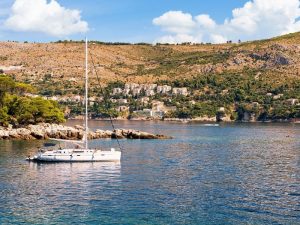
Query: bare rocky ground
{"points": [[46, 131]]}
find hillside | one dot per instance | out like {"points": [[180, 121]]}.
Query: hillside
{"points": [[260, 70], [146, 63]]}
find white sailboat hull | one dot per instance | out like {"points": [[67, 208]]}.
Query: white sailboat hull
{"points": [[78, 155]]}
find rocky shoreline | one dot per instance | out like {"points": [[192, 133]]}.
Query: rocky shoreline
{"points": [[198, 119], [46, 131]]}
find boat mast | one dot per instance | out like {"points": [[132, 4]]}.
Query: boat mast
{"points": [[86, 93]]}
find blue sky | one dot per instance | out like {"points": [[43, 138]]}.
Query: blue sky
{"points": [[132, 20]]}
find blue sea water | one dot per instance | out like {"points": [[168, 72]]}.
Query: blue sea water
{"points": [[231, 174]]}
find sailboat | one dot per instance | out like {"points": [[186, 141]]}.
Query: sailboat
{"points": [[82, 152]]}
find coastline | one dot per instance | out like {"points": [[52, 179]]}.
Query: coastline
{"points": [[198, 119], [44, 131]]}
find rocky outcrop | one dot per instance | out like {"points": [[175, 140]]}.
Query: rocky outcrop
{"points": [[134, 134], [272, 59], [45, 131], [280, 59]]}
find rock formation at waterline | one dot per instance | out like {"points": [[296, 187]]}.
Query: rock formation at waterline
{"points": [[46, 131]]}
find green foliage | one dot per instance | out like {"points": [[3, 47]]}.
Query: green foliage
{"points": [[205, 109], [22, 110], [115, 84], [21, 88], [7, 85], [105, 111], [4, 117], [241, 92], [34, 110]]}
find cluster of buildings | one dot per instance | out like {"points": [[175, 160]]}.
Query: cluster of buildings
{"points": [[291, 101], [68, 99], [158, 110], [144, 92], [144, 95], [137, 90]]}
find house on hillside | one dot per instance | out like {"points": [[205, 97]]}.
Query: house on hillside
{"points": [[117, 91], [122, 108], [159, 109], [276, 97], [180, 91], [150, 93], [157, 105], [163, 89], [131, 86], [126, 91], [149, 87], [92, 100], [122, 101], [145, 100], [136, 91], [292, 101]]}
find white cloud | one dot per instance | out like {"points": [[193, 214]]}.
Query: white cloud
{"points": [[215, 38], [205, 21], [179, 38], [175, 22], [257, 19], [49, 18]]}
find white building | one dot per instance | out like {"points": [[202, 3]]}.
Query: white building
{"points": [[150, 93], [148, 86], [136, 91], [92, 99], [157, 105], [54, 98], [221, 109], [145, 100], [122, 101], [31, 95], [122, 108], [277, 96], [126, 91], [131, 86], [117, 91], [292, 101], [163, 89], [180, 91]]}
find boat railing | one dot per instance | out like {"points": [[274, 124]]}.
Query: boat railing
{"points": [[43, 150]]}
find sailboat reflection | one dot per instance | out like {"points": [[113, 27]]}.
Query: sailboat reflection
{"points": [[58, 174]]}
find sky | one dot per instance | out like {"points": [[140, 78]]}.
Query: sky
{"points": [[164, 21]]}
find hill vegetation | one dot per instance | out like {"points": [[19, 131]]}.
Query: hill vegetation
{"points": [[259, 78], [18, 109]]}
